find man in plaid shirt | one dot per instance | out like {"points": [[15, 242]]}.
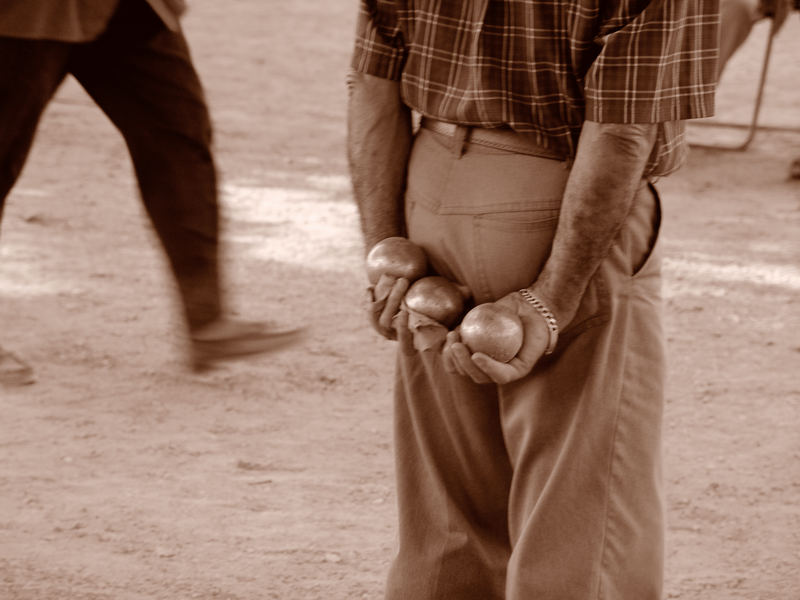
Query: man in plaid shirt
{"points": [[543, 125]]}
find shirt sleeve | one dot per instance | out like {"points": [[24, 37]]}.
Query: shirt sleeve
{"points": [[658, 65], [379, 46]]}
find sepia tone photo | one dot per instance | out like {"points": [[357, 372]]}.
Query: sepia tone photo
{"points": [[410, 300]]}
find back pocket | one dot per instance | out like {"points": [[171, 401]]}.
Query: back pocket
{"points": [[511, 248]]}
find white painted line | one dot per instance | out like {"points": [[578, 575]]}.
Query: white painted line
{"points": [[753, 273], [308, 228]]}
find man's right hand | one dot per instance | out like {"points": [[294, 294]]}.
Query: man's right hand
{"points": [[481, 368], [385, 298]]}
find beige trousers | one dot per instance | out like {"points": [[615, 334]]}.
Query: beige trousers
{"points": [[548, 488]]}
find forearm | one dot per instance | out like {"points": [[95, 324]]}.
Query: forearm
{"points": [[603, 182], [378, 144]]}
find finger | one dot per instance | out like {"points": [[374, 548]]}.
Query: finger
{"points": [[393, 302], [383, 287], [534, 344], [377, 297], [464, 363], [499, 372], [389, 334], [374, 305], [375, 310], [447, 353], [403, 333]]}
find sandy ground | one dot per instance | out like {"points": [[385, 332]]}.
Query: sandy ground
{"points": [[124, 477]]}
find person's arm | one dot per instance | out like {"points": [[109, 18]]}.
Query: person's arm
{"points": [[607, 172], [378, 144], [379, 136], [626, 97]]}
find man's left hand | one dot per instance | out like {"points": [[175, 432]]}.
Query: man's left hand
{"points": [[384, 300], [481, 368]]}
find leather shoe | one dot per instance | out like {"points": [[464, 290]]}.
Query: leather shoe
{"points": [[228, 339], [14, 371]]}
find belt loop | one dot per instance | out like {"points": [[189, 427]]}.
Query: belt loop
{"points": [[460, 139]]}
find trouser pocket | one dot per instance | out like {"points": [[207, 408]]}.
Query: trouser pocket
{"points": [[486, 218]]}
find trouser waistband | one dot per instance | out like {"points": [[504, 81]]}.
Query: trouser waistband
{"points": [[502, 139]]}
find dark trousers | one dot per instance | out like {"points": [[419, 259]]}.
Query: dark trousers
{"points": [[141, 75]]}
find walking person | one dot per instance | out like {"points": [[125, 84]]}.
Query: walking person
{"points": [[133, 60], [530, 182]]}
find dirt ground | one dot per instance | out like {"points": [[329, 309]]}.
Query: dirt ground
{"points": [[124, 477]]}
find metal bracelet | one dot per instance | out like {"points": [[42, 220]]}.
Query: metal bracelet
{"points": [[552, 324]]}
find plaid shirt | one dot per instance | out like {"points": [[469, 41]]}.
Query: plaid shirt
{"points": [[543, 66]]}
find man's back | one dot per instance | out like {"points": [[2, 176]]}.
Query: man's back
{"points": [[541, 67]]}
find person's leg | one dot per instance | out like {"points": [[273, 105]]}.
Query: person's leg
{"points": [[30, 72], [141, 74], [584, 433], [451, 465], [453, 470], [452, 486], [581, 434]]}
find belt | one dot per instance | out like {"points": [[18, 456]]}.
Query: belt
{"points": [[503, 139]]}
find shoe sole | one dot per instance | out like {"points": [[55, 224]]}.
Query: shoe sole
{"points": [[207, 354], [16, 379], [17, 375]]}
